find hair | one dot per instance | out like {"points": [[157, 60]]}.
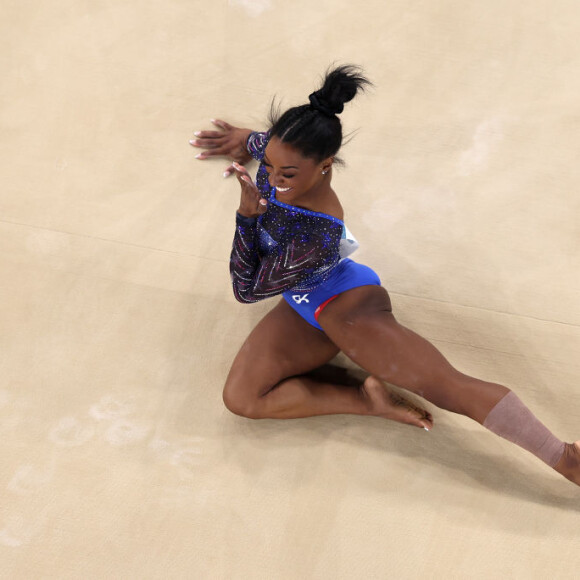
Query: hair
{"points": [[315, 129]]}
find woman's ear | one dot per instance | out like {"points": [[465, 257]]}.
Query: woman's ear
{"points": [[327, 164]]}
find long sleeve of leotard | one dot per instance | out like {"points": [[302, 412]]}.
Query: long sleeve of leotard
{"points": [[288, 263]]}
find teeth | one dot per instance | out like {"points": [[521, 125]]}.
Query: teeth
{"points": [[283, 189]]}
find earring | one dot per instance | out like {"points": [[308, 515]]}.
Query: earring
{"points": [[324, 172]]}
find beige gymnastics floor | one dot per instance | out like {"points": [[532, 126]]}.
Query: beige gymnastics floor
{"points": [[118, 324]]}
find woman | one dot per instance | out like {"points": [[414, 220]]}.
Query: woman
{"points": [[291, 240]]}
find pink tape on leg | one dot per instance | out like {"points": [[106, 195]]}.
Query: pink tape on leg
{"points": [[513, 421]]}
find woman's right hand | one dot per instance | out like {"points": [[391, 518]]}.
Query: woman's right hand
{"points": [[229, 142], [252, 204]]}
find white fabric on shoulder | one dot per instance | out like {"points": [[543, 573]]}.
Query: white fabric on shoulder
{"points": [[348, 243]]}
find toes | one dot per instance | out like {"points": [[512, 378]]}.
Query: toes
{"points": [[420, 419], [397, 407], [424, 416], [424, 424], [425, 420]]}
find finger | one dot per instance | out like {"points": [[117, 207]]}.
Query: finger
{"points": [[229, 171], [211, 153], [206, 143], [240, 169], [247, 184], [248, 181], [209, 134], [240, 179], [222, 124]]}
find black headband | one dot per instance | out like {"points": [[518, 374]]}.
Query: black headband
{"points": [[321, 106]]}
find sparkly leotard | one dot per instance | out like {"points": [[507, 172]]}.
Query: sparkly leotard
{"points": [[292, 251]]}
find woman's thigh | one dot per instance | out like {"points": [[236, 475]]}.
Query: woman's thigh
{"points": [[361, 324], [281, 345]]}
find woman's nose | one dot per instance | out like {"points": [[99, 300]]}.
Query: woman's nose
{"points": [[274, 180]]}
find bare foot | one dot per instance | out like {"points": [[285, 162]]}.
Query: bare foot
{"points": [[569, 464], [387, 404]]}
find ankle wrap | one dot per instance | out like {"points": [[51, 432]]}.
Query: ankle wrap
{"points": [[513, 421]]}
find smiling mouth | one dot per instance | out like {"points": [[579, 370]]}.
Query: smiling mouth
{"points": [[283, 189]]}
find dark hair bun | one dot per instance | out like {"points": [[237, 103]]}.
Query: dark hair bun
{"points": [[341, 84], [314, 129]]}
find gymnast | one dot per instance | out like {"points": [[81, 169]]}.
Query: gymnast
{"points": [[291, 240]]}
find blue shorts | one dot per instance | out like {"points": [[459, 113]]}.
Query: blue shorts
{"points": [[346, 276]]}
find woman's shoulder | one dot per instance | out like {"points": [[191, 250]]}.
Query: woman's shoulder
{"points": [[334, 209], [330, 206]]}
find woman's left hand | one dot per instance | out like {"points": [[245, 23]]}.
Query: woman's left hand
{"points": [[252, 204]]}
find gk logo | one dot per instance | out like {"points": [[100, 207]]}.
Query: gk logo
{"points": [[299, 299]]}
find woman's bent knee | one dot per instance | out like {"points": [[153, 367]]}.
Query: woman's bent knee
{"points": [[238, 405]]}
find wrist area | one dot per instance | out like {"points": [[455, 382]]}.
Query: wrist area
{"points": [[245, 135], [246, 219], [256, 142]]}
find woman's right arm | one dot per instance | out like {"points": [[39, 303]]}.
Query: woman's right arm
{"points": [[306, 247], [294, 260]]}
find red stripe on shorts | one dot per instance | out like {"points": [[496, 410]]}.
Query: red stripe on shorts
{"points": [[322, 306]]}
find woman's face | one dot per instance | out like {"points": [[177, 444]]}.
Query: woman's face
{"points": [[293, 175]]}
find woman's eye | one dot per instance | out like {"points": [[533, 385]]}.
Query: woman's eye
{"points": [[269, 170]]}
